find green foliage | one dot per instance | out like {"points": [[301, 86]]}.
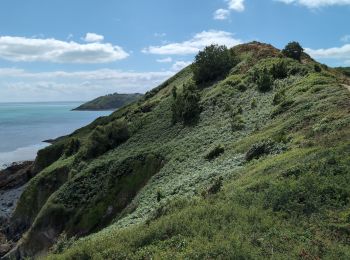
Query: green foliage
{"points": [[211, 63], [185, 106], [279, 70], [214, 153], [293, 50], [62, 244], [216, 186], [317, 68], [264, 80], [262, 148], [72, 147], [102, 139]]}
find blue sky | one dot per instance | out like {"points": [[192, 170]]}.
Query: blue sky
{"points": [[76, 50]]}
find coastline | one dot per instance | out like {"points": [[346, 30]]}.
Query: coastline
{"points": [[27, 153]]}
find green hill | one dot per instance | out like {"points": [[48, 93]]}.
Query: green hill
{"points": [[253, 164], [109, 102]]}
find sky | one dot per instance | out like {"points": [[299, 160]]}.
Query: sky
{"points": [[64, 50]]}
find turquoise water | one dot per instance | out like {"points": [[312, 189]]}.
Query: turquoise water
{"points": [[23, 126]]}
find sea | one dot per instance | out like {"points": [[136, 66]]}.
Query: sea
{"points": [[24, 127]]}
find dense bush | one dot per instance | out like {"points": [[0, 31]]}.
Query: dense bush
{"points": [[214, 153], [214, 61], [264, 80], [185, 105], [105, 138], [263, 148], [72, 147], [293, 50], [279, 70]]}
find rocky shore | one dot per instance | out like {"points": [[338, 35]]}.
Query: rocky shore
{"points": [[13, 180]]}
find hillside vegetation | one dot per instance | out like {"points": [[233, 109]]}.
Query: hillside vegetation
{"points": [[109, 102], [252, 162]]}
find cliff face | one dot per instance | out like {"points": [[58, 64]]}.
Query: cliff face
{"points": [[264, 163]]}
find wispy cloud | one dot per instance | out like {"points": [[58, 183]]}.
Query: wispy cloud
{"points": [[52, 50], [221, 14], [232, 5], [93, 37], [316, 3], [341, 53], [22, 85], [197, 43]]}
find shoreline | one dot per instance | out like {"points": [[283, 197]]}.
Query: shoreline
{"points": [[20, 155]]}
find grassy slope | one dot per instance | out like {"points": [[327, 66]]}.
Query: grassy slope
{"points": [[109, 102], [294, 202]]}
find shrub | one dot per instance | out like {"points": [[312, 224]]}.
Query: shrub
{"points": [[293, 50], [253, 104], [264, 80], [214, 153], [279, 97], [214, 61], [279, 70], [317, 68], [263, 148], [105, 138], [216, 186], [72, 147], [186, 107]]}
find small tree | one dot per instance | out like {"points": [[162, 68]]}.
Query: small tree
{"points": [[214, 61], [293, 50], [186, 104], [264, 80]]}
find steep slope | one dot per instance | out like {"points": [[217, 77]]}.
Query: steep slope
{"points": [[109, 102], [146, 186]]}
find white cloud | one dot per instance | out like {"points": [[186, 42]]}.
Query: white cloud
{"points": [[221, 14], [165, 60], [197, 43], [339, 54], [179, 65], [345, 38], [316, 3], [93, 37], [22, 85], [52, 50], [236, 5]]}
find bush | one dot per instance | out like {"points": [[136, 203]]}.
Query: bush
{"points": [[263, 148], [279, 97], [264, 80], [214, 61], [105, 138], [279, 70], [293, 50], [317, 68], [186, 107], [72, 147], [216, 152]]}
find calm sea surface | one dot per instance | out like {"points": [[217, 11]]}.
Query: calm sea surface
{"points": [[23, 126]]}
